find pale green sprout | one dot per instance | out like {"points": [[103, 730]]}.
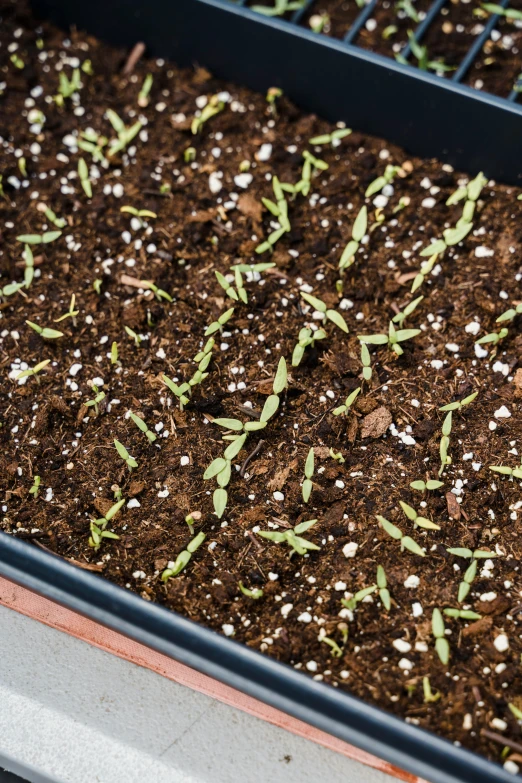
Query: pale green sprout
{"points": [[293, 537], [392, 339], [395, 532], [140, 424], [35, 489], [22, 165], [307, 337], [134, 335], [279, 209], [17, 61], [382, 585], [183, 559], [83, 173], [445, 459], [10, 289], [421, 55], [330, 138], [280, 8], [417, 520], [98, 527], [53, 218], [311, 166], [351, 603], [114, 352], [93, 143], [125, 134], [390, 172], [45, 332], [493, 337], [510, 314], [178, 391], [366, 363], [336, 650], [255, 594], [516, 712], [87, 68], [29, 266], [458, 405], [471, 571], [230, 291], [430, 696], [441, 643], [214, 106], [409, 9], [124, 454], [97, 284], [425, 270], [95, 402], [408, 310], [337, 456], [33, 371], [347, 403], [217, 326], [509, 13], [71, 312], [507, 471], [67, 87], [139, 213], [39, 239], [143, 95], [331, 315], [309, 472], [318, 22], [358, 231], [462, 614], [159, 293], [430, 485], [478, 554], [253, 269]]}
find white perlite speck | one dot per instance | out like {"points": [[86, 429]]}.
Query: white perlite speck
{"points": [[501, 642], [228, 629], [184, 461], [305, 617], [502, 413], [243, 180], [402, 645], [279, 496], [286, 609], [350, 549], [75, 369], [412, 581]]}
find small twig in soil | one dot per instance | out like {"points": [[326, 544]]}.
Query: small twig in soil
{"points": [[494, 737], [135, 54], [250, 456]]}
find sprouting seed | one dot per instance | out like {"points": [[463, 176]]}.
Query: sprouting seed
{"points": [[293, 537], [256, 594], [392, 339], [140, 424], [221, 321], [71, 312], [337, 456], [418, 521], [124, 454], [114, 353], [408, 310], [348, 402], [351, 603], [214, 106], [430, 485], [98, 526], [331, 315], [125, 134], [67, 87], [336, 650], [441, 643], [139, 214], [330, 138], [83, 173], [396, 533], [183, 559], [97, 399], [39, 239], [97, 284], [309, 472], [358, 231], [387, 178], [143, 95], [132, 333], [29, 266], [33, 371], [35, 489], [45, 332], [306, 338], [430, 696]]}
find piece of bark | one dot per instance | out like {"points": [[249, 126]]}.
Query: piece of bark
{"points": [[376, 423]]}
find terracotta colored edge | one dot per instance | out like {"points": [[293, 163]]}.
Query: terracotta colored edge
{"points": [[43, 610]]}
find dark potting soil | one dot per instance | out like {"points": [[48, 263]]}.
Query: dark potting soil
{"points": [[209, 217]]}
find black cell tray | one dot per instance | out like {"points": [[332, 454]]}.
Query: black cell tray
{"points": [[428, 116]]}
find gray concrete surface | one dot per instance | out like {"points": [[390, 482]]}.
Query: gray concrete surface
{"points": [[74, 714]]}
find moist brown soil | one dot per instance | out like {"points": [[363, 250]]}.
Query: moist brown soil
{"points": [[500, 63], [47, 430], [341, 13]]}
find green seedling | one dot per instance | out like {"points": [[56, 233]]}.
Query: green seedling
{"points": [[218, 325], [67, 87], [17, 61], [10, 289], [462, 614], [319, 22], [159, 293], [478, 554], [45, 332], [441, 643], [93, 143], [97, 284], [330, 138], [139, 213], [272, 96], [458, 405], [421, 55], [507, 471], [293, 538], [125, 134], [143, 95], [351, 603], [498, 10], [280, 8], [29, 266], [337, 456], [390, 172], [255, 594], [471, 571], [214, 106], [183, 559], [83, 173], [425, 270], [311, 166], [409, 10], [114, 353], [445, 459], [52, 217], [39, 239], [98, 527], [430, 485], [336, 650], [392, 339], [510, 314], [347, 403], [180, 392], [309, 472], [516, 712], [124, 454], [22, 166], [493, 337], [230, 291], [418, 521], [382, 585], [71, 312], [307, 338], [32, 372], [35, 489], [358, 231], [430, 696], [395, 532], [331, 315], [189, 154], [97, 399], [389, 31], [366, 363], [136, 337], [140, 424], [279, 209], [408, 310]]}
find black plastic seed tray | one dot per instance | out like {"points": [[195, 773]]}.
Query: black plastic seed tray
{"points": [[426, 114]]}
